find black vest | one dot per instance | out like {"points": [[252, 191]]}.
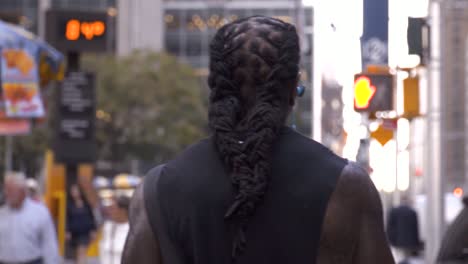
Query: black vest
{"points": [[186, 200]]}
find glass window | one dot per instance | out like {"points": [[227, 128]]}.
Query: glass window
{"points": [[194, 44], [22, 12], [308, 42], [10, 4], [172, 19], [284, 15], [236, 13], [262, 12], [173, 43], [83, 4], [204, 20], [309, 16]]}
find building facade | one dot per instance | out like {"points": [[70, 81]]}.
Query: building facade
{"points": [[27, 13], [183, 28], [139, 26], [454, 92], [190, 26]]}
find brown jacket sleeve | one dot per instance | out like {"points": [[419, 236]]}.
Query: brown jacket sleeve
{"points": [[141, 246], [353, 230]]}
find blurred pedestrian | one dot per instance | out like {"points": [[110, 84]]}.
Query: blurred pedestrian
{"points": [[81, 226], [33, 190], [114, 231], [403, 229], [256, 191], [27, 233], [454, 247]]}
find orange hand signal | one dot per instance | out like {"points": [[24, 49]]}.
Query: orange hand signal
{"points": [[364, 91]]}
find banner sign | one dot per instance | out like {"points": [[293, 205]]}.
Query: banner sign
{"points": [[12, 127], [374, 41], [20, 82]]}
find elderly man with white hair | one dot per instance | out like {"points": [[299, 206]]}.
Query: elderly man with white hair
{"points": [[27, 233]]}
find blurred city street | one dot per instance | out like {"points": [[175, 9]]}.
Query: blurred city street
{"points": [[96, 93]]}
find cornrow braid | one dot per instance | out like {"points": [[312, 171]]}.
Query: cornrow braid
{"points": [[260, 56]]}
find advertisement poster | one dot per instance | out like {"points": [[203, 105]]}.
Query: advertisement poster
{"points": [[12, 127], [20, 83]]}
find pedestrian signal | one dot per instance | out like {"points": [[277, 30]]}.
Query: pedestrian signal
{"points": [[373, 92]]}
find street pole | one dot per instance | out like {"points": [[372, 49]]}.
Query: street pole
{"points": [[434, 136], [317, 52], [8, 153], [43, 6], [396, 192]]}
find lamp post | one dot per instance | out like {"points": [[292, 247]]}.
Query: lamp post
{"points": [[434, 135]]}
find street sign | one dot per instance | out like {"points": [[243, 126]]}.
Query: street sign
{"points": [[375, 51], [373, 92], [374, 41], [79, 31], [390, 123], [382, 135], [76, 119]]}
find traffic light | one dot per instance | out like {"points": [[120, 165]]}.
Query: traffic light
{"points": [[418, 38], [411, 97], [373, 92]]}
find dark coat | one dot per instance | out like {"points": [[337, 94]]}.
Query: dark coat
{"points": [[80, 220], [403, 229]]}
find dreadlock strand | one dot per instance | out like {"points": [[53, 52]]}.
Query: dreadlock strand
{"points": [[261, 54]]}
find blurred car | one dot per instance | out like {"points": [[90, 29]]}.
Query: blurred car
{"points": [[121, 184]]}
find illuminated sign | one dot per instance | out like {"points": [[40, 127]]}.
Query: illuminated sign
{"points": [[363, 92], [80, 31], [373, 92], [75, 29]]}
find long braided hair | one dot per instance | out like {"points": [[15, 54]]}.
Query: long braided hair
{"points": [[254, 65]]}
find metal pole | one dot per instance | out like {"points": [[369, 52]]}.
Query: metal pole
{"points": [[434, 137], [8, 153], [43, 6], [317, 52], [396, 193]]}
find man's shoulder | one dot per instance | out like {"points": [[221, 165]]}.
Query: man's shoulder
{"points": [[355, 177], [304, 147], [358, 188], [38, 207], [196, 149], [3, 209]]}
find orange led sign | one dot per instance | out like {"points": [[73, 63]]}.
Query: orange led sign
{"points": [[88, 29]]}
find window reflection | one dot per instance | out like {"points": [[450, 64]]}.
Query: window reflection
{"points": [[190, 30]]}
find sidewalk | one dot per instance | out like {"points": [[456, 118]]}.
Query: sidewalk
{"points": [[90, 261]]}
